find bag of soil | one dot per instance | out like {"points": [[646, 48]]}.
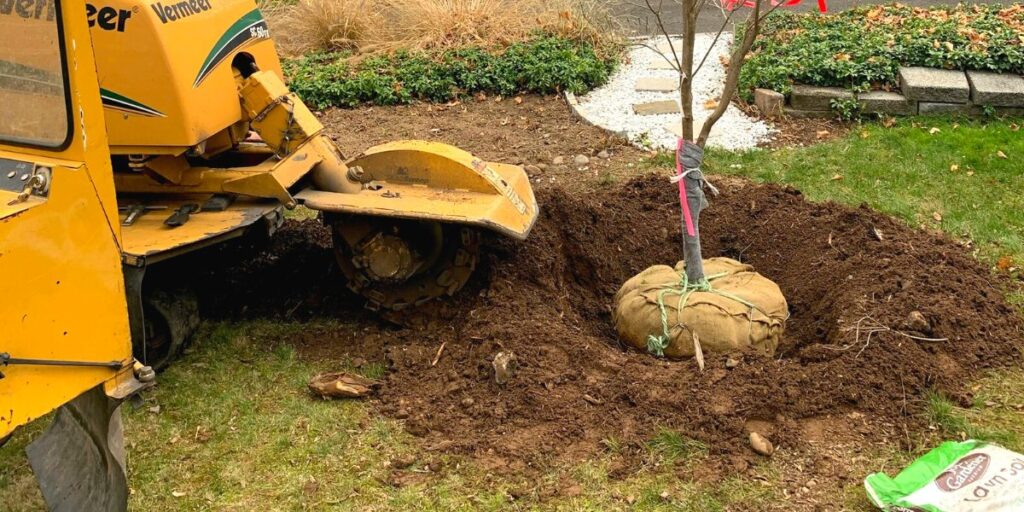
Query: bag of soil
{"points": [[971, 476], [659, 311]]}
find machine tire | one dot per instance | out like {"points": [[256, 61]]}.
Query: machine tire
{"points": [[171, 317], [446, 272]]}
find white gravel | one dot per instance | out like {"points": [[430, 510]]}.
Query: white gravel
{"points": [[611, 106]]}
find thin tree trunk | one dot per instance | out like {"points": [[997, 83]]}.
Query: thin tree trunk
{"points": [[686, 70]]}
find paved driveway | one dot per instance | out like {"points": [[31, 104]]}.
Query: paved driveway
{"points": [[635, 15]]}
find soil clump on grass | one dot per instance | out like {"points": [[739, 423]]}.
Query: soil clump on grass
{"points": [[854, 345]]}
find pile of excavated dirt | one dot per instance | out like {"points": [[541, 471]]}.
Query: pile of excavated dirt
{"points": [[849, 274]]}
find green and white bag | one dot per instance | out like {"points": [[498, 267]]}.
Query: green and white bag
{"points": [[971, 476]]}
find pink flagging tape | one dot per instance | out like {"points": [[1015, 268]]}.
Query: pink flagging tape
{"points": [[682, 192]]}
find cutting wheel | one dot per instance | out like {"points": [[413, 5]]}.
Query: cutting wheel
{"points": [[396, 263]]}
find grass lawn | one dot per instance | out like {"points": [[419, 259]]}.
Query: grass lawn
{"points": [[231, 426]]}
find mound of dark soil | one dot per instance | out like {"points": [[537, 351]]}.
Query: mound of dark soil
{"points": [[849, 275]]}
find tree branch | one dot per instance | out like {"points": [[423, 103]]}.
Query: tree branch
{"points": [[732, 76]]}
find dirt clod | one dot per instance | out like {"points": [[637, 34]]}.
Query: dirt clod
{"points": [[505, 366], [916, 321]]}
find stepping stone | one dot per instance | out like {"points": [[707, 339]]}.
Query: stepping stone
{"points": [[884, 102], [664, 46], [655, 84], [676, 127], [996, 89], [657, 107], [809, 97], [661, 64], [934, 85]]}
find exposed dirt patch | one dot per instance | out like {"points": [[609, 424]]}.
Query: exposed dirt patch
{"points": [[798, 131], [534, 131], [548, 300]]}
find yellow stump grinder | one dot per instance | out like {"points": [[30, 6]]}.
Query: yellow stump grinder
{"points": [[136, 131]]}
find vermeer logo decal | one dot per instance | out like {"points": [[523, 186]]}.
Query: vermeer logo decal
{"points": [[965, 472], [108, 18], [249, 28], [35, 9], [176, 11]]}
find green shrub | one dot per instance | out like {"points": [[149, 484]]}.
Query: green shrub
{"points": [[863, 48], [544, 64]]}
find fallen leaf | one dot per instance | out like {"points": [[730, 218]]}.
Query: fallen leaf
{"points": [[954, 167], [1004, 263], [342, 385], [934, 130], [889, 122], [710, 104], [1000, 154], [864, 134], [841, 57], [837, 177], [970, 173], [937, 216], [177, 494], [949, 46], [519, 100], [1014, 127], [821, 134]]}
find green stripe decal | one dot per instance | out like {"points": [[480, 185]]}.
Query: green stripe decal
{"points": [[248, 28], [116, 101]]}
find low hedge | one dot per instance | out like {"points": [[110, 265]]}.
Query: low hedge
{"points": [[863, 48], [544, 64]]}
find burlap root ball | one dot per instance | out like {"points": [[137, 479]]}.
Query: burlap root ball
{"points": [[743, 309]]}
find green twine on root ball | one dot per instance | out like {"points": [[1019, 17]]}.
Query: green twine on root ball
{"points": [[656, 345]]}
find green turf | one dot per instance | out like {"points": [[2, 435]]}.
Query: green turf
{"points": [[914, 170]]}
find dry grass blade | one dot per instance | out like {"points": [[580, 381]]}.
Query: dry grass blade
{"points": [[311, 25], [368, 26]]}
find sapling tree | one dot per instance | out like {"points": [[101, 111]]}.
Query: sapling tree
{"points": [[683, 58]]}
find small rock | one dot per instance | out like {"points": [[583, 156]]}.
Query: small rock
{"points": [[542, 167], [532, 169], [604, 154], [468, 402], [505, 365], [402, 414], [916, 321], [731, 363], [761, 444], [558, 160], [581, 160], [155, 409]]}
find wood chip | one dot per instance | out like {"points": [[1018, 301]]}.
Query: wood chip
{"points": [[440, 350]]}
